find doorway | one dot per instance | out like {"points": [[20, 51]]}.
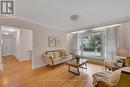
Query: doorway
{"points": [[8, 47], [16, 44]]}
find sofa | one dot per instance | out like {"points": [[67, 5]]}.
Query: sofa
{"points": [[56, 57]]}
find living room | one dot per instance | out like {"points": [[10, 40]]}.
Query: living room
{"points": [[69, 27]]}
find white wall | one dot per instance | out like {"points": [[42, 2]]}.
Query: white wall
{"points": [[128, 35], [24, 44], [0, 53], [41, 43], [1, 64], [123, 36], [40, 37]]}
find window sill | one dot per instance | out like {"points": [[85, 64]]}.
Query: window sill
{"points": [[93, 57]]}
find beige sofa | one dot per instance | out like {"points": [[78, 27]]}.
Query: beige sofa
{"points": [[55, 57]]}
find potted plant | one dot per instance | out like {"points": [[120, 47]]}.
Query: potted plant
{"points": [[77, 58]]}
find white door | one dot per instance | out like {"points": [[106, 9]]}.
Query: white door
{"points": [[8, 45]]}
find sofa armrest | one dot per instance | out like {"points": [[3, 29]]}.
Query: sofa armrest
{"points": [[48, 60]]}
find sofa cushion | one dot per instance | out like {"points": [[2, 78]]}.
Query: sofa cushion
{"points": [[50, 54], [67, 53], [60, 53], [56, 59], [64, 53], [56, 54]]}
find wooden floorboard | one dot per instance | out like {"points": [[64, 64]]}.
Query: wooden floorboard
{"points": [[9, 59], [21, 74]]}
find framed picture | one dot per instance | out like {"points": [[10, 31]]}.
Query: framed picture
{"points": [[57, 41], [51, 41]]}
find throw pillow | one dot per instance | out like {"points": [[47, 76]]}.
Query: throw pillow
{"points": [[67, 52], [50, 54], [56, 54], [63, 53]]}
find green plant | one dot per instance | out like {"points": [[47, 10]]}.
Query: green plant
{"points": [[77, 58]]}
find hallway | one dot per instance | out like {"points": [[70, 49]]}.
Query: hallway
{"points": [[9, 59]]}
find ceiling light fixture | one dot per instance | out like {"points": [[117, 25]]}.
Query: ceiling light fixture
{"points": [[74, 17]]}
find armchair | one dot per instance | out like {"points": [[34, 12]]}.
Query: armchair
{"points": [[114, 64], [123, 82], [127, 61], [119, 78]]}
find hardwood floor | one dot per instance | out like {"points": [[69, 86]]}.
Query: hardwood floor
{"points": [[20, 74], [9, 59]]}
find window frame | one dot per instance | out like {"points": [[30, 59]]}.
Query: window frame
{"points": [[102, 42]]}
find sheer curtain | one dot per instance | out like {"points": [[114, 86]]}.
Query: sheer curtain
{"points": [[74, 43], [110, 43]]}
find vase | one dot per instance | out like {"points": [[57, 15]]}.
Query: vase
{"points": [[77, 60]]}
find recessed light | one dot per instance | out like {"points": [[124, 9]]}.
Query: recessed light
{"points": [[74, 17]]}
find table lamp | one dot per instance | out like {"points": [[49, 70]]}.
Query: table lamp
{"points": [[122, 52]]}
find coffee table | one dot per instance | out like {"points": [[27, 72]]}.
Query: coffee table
{"points": [[73, 63]]}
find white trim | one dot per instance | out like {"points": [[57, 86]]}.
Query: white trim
{"points": [[98, 28], [34, 22], [46, 25], [114, 22]]}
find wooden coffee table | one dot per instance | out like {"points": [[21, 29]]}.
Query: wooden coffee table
{"points": [[73, 63]]}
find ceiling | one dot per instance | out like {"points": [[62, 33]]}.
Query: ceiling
{"points": [[57, 13]]}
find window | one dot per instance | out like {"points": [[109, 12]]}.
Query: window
{"points": [[91, 44]]}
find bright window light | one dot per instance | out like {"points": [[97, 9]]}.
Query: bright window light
{"points": [[11, 30]]}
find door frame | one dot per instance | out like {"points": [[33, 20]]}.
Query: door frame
{"points": [[1, 63]]}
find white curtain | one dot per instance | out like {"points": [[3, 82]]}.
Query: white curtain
{"points": [[110, 43], [74, 43]]}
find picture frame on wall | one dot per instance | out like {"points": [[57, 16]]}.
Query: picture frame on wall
{"points": [[54, 41], [57, 41], [51, 41]]}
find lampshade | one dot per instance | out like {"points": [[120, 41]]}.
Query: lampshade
{"points": [[123, 52]]}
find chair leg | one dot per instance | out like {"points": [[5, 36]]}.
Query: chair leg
{"points": [[53, 67]]}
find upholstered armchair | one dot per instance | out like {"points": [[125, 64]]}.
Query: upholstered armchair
{"points": [[114, 64], [123, 82], [117, 63], [127, 61], [118, 78]]}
